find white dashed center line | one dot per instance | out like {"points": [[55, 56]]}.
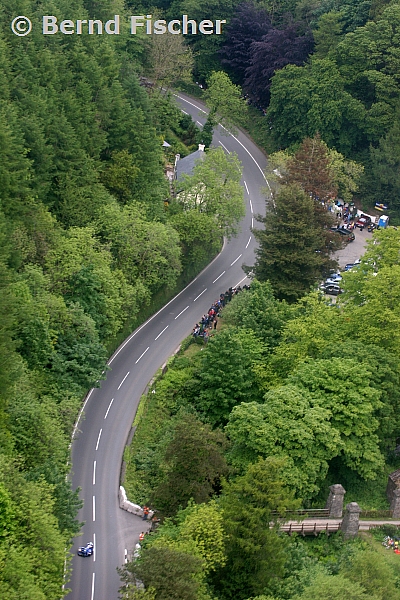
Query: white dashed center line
{"points": [[98, 439], [236, 259], [94, 508], [143, 353], [94, 473], [181, 313], [247, 189], [219, 276], [251, 206], [123, 380], [92, 596], [109, 406], [94, 547], [197, 297], [155, 339], [248, 243]]}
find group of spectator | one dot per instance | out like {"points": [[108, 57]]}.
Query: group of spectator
{"points": [[210, 319]]}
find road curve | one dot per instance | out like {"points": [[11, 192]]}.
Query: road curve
{"points": [[103, 428]]}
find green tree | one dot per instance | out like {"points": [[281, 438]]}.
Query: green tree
{"points": [[224, 374], [255, 551], [214, 189], [314, 98], [257, 309], [314, 418], [165, 573], [224, 100], [198, 529], [204, 525], [328, 33], [193, 466], [372, 571], [119, 176], [383, 178], [334, 587], [200, 239], [171, 60], [292, 253]]}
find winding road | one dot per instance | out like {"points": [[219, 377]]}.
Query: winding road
{"points": [[108, 411]]}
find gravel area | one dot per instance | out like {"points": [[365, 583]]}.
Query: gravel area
{"points": [[354, 249]]}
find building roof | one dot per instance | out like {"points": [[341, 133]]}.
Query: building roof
{"points": [[185, 166]]}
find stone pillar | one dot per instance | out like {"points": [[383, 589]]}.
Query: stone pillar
{"points": [[351, 520], [335, 501], [395, 504]]}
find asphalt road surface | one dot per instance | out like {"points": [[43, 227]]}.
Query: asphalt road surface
{"points": [[102, 430]]}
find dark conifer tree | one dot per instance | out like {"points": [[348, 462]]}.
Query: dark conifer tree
{"points": [[291, 252]]}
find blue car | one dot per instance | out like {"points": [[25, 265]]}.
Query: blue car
{"points": [[86, 550]]}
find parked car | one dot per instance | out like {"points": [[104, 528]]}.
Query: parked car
{"points": [[349, 266], [363, 221], [345, 233], [333, 280], [335, 277], [332, 289]]}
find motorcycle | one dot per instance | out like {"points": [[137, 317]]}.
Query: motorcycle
{"points": [[86, 550]]}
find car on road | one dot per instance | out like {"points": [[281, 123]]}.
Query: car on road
{"points": [[363, 221], [332, 289], [86, 550], [347, 235]]}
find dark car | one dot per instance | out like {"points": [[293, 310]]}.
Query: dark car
{"points": [[332, 289], [86, 550], [363, 221], [345, 233]]}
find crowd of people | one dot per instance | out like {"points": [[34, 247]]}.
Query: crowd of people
{"points": [[210, 319]]}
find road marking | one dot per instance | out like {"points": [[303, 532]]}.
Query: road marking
{"points": [[126, 555], [94, 508], [109, 406], [224, 147], [80, 414], [251, 206], [197, 297], [161, 309], [236, 259], [191, 103], [143, 353], [184, 111], [219, 277], [155, 339], [92, 596], [198, 123], [247, 189], [240, 282], [247, 245], [252, 222], [123, 380], [94, 547], [181, 313], [98, 439], [94, 473]]}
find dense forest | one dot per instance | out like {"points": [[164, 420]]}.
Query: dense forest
{"points": [[284, 400], [88, 241], [91, 239]]}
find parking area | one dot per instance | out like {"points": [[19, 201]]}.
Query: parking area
{"points": [[355, 249]]}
